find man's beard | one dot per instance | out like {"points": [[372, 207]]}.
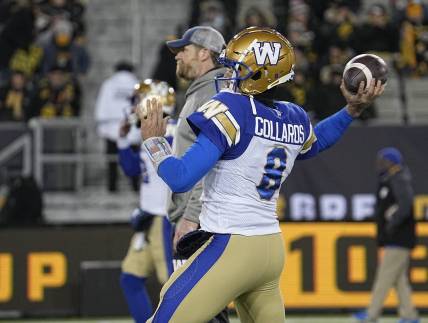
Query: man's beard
{"points": [[184, 71]]}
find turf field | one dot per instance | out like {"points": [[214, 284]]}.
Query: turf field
{"points": [[290, 319]]}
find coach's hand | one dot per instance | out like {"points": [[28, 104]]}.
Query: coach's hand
{"points": [[153, 124], [183, 226], [357, 103]]}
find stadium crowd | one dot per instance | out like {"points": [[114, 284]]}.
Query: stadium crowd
{"points": [[42, 58], [43, 52], [325, 35]]}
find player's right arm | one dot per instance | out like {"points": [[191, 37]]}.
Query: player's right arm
{"points": [[217, 130], [181, 174]]}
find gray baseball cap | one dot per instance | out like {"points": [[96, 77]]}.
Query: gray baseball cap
{"points": [[203, 36]]}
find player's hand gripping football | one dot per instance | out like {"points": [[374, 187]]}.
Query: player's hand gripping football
{"points": [[153, 124], [357, 103]]}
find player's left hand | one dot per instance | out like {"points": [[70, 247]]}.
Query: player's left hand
{"points": [[153, 124], [183, 226], [357, 103]]}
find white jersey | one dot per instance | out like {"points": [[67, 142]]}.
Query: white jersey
{"points": [[153, 190], [260, 146], [112, 99], [154, 193]]}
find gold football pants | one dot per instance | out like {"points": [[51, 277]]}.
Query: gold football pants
{"points": [[155, 254], [243, 269]]}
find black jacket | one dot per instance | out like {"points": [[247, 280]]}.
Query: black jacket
{"points": [[394, 210]]}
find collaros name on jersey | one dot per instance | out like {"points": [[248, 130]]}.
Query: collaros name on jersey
{"points": [[278, 131]]}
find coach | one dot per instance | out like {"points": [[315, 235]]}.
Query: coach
{"points": [[196, 55]]}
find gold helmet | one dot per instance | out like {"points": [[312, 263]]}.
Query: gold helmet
{"points": [[260, 58], [149, 88]]}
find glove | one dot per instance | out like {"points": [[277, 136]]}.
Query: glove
{"points": [[140, 220], [192, 241]]}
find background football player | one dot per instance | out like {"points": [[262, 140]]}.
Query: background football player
{"points": [[151, 245], [246, 146]]}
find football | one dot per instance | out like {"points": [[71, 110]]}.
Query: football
{"points": [[364, 68]]}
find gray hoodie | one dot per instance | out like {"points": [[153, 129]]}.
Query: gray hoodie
{"points": [[199, 92]]}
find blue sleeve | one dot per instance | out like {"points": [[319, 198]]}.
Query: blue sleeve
{"points": [[181, 174], [129, 160], [331, 129], [328, 132]]}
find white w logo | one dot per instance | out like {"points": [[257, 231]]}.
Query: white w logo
{"points": [[264, 50]]}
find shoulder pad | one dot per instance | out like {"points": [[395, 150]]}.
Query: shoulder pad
{"points": [[219, 113]]}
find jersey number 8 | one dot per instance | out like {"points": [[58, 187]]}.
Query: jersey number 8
{"points": [[271, 180]]}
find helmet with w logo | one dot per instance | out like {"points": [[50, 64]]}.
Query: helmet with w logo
{"points": [[260, 58], [149, 88]]}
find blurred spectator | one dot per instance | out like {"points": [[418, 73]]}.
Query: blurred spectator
{"points": [[7, 9], [14, 98], [70, 10], [257, 16], [219, 14], [18, 33], [414, 38], [326, 98], [63, 51], [377, 34], [336, 55], [56, 95], [112, 101], [305, 55], [328, 91], [297, 91], [339, 26], [44, 28], [301, 31], [27, 60]]}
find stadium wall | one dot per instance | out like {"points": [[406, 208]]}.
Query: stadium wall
{"points": [[51, 271]]}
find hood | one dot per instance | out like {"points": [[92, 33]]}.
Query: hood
{"points": [[204, 80]]}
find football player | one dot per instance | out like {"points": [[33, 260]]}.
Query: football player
{"points": [[246, 147], [151, 245]]}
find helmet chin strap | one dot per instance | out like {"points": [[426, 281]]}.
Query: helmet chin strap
{"points": [[234, 66], [233, 84]]}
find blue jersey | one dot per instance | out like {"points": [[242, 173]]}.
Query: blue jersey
{"points": [[259, 145]]}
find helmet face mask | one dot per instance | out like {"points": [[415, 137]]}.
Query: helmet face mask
{"points": [[260, 58], [236, 69]]}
